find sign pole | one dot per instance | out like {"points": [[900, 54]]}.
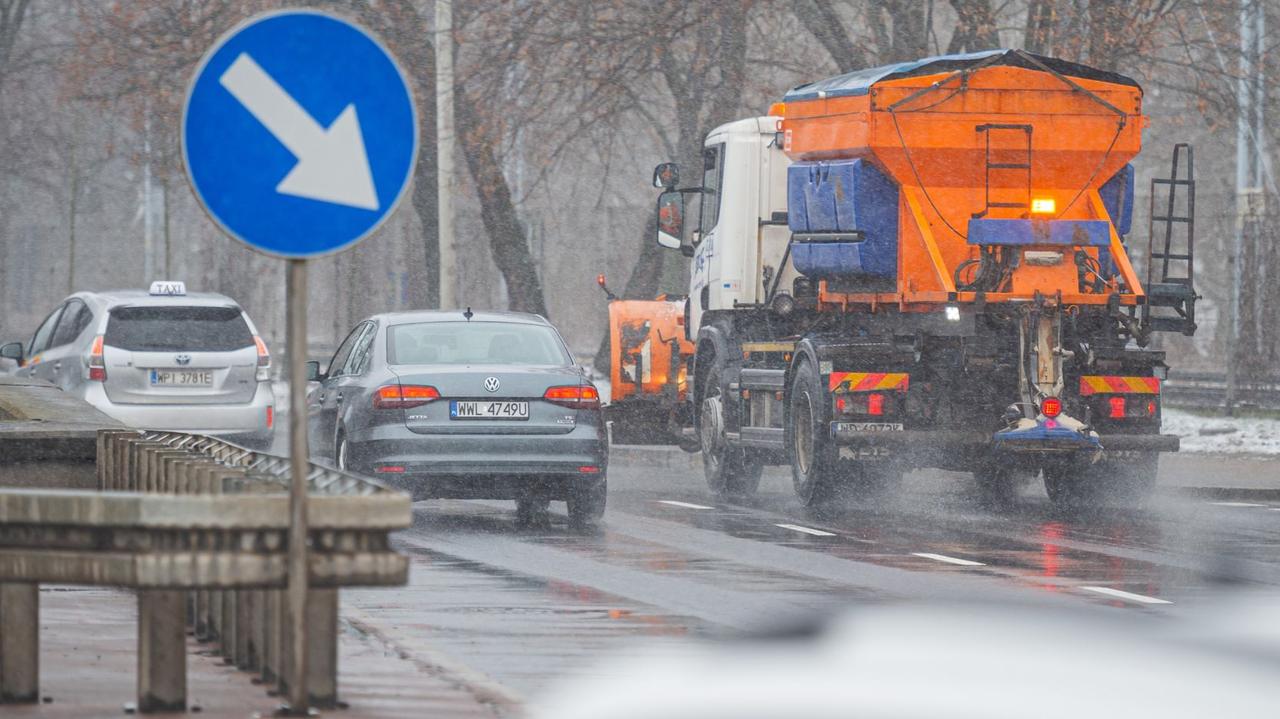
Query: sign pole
{"points": [[296, 320], [275, 169]]}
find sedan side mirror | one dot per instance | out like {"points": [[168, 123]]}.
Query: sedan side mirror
{"points": [[313, 371], [13, 351]]}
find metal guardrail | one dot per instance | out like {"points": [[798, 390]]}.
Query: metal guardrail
{"points": [[1208, 390], [199, 527]]}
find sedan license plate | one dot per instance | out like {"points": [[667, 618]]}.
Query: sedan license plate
{"points": [[182, 377], [488, 410]]}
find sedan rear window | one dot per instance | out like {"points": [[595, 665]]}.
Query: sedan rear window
{"points": [[189, 329], [459, 343]]}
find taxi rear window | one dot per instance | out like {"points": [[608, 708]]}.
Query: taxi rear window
{"points": [[176, 328]]}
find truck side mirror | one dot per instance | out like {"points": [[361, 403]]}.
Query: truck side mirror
{"points": [[313, 371], [13, 351], [671, 219], [666, 176]]}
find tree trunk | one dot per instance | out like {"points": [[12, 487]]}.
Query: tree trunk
{"points": [[975, 27], [909, 39], [1040, 20], [823, 22], [502, 224]]}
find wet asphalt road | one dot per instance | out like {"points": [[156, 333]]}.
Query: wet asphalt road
{"points": [[514, 609]]}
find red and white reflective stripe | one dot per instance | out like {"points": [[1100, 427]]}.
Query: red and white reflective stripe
{"points": [[1107, 384], [867, 381]]}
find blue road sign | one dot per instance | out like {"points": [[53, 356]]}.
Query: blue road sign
{"points": [[299, 133]]}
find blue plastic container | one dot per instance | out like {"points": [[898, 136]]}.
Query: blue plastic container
{"points": [[1117, 197], [843, 196]]}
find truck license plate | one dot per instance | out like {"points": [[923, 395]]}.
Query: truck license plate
{"points": [[182, 377], [459, 409], [870, 427]]}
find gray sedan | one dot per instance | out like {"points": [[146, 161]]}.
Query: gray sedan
{"points": [[447, 404]]}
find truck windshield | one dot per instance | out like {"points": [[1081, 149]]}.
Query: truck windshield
{"points": [[458, 343], [188, 329]]}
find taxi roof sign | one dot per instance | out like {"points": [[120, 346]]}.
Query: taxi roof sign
{"points": [[168, 288]]}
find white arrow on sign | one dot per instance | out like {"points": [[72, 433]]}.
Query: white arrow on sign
{"points": [[332, 163]]}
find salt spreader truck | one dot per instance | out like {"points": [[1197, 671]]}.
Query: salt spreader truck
{"points": [[925, 265]]}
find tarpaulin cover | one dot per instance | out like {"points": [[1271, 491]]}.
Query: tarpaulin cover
{"points": [[859, 82]]}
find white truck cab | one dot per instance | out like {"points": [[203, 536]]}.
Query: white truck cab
{"points": [[742, 233]]}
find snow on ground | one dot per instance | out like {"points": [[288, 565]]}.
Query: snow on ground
{"points": [[1223, 435]]}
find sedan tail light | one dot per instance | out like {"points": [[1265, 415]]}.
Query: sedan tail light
{"points": [[97, 365], [582, 396], [404, 396]]}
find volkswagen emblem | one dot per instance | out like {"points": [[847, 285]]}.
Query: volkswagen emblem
{"points": [[183, 359], [491, 384]]}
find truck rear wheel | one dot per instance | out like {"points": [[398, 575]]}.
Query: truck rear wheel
{"points": [[731, 472], [815, 465], [1127, 481], [999, 484]]}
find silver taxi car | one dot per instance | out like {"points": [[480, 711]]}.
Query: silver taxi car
{"points": [[157, 359]]}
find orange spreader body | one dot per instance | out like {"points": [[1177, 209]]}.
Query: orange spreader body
{"points": [[641, 334], [931, 147]]}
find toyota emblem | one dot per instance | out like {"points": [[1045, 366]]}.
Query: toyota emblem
{"points": [[183, 359], [491, 384]]}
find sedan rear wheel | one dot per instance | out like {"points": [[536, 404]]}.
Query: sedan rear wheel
{"points": [[586, 504], [531, 511]]}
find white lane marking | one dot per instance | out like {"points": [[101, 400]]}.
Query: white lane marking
{"points": [[1130, 596], [806, 530], [1236, 504], [949, 560], [686, 505]]}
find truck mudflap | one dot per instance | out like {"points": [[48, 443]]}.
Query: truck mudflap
{"points": [[887, 439]]}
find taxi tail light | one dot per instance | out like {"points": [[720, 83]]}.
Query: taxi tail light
{"points": [[97, 365], [264, 360], [1051, 407], [582, 396], [264, 357], [404, 396]]}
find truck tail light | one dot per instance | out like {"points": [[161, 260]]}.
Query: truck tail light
{"points": [[1051, 407], [97, 365], [582, 396], [1116, 405], [404, 396], [875, 404]]}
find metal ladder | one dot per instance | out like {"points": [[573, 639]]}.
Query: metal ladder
{"points": [[1172, 287], [988, 130]]}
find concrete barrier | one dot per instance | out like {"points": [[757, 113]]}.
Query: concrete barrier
{"points": [[199, 527], [47, 437]]}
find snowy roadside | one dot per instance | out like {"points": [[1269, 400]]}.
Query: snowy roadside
{"points": [[1223, 435]]}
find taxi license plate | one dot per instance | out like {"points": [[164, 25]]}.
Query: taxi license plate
{"points": [[182, 377], [488, 410]]}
